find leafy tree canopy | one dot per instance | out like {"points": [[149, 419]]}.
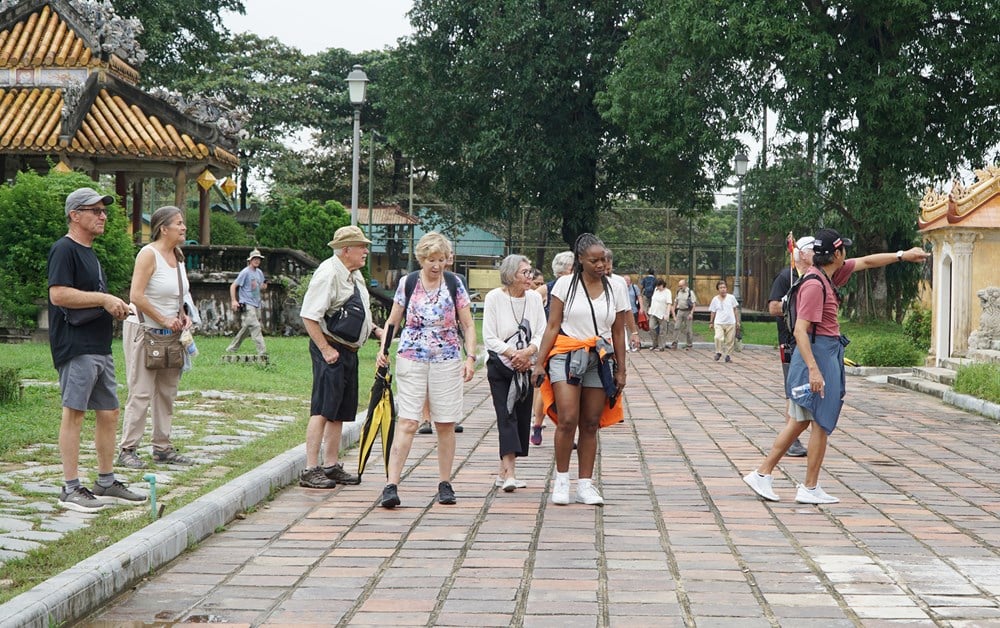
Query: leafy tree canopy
{"points": [[32, 218], [298, 224], [872, 99], [181, 37], [271, 83], [497, 97]]}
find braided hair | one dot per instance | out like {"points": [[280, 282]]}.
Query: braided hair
{"points": [[583, 242]]}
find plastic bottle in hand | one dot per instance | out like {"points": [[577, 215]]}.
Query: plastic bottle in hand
{"points": [[187, 341]]}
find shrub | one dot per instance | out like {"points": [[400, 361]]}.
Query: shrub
{"points": [[32, 217], [883, 351], [297, 224], [917, 327], [224, 229], [10, 385], [979, 380]]}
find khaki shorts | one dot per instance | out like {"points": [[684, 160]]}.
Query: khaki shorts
{"points": [[441, 382]]}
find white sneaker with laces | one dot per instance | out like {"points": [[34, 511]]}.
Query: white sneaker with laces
{"points": [[560, 491], [814, 496], [587, 494], [762, 485]]}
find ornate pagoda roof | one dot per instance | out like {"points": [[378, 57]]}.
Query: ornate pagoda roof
{"points": [[68, 93], [973, 206]]}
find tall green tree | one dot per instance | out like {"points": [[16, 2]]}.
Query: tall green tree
{"points": [[298, 224], [181, 37], [271, 83], [877, 98], [32, 217], [497, 97]]}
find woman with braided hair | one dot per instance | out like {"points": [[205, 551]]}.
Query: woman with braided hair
{"points": [[586, 325]]}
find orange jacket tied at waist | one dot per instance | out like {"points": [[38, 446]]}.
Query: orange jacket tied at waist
{"points": [[565, 344]]}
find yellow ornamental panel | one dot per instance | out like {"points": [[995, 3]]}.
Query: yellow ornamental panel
{"points": [[228, 186], [206, 180]]}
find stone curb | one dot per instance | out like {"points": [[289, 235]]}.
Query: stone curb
{"points": [[85, 587], [972, 404]]}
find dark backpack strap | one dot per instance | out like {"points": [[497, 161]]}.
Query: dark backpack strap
{"points": [[409, 285], [451, 280]]}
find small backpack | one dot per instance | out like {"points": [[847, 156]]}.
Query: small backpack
{"points": [[789, 306]]}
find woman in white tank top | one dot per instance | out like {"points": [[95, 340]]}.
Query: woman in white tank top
{"points": [[156, 289]]}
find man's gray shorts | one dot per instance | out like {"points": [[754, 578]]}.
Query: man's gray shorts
{"points": [[88, 382]]}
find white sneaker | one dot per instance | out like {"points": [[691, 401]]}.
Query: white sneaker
{"points": [[762, 485], [587, 494], [499, 482], [560, 491], [814, 496], [509, 485]]}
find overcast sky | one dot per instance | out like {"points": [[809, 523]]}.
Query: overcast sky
{"points": [[315, 25]]}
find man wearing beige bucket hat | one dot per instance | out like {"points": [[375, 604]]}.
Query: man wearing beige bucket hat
{"points": [[337, 296], [244, 294]]}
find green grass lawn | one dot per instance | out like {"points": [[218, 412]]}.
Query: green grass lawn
{"points": [[766, 333], [35, 420]]}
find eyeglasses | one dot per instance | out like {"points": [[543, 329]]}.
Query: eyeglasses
{"points": [[99, 211], [527, 272]]}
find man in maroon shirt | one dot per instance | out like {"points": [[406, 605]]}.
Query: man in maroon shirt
{"points": [[815, 383]]}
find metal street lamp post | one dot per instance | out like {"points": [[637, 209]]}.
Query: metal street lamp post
{"points": [[741, 169], [357, 82]]}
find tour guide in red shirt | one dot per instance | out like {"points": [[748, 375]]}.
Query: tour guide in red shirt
{"points": [[816, 375]]}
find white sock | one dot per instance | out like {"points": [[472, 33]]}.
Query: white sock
{"points": [[583, 483], [564, 477]]}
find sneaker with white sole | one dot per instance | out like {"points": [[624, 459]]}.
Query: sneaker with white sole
{"points": [[814, 496], [117, 493], [560, 491], [762, 485], [499, 482], [510, 485], [80, 499], [587, 494]]}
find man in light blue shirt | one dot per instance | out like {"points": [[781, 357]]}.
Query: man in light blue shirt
{"points": [[245, 298]]}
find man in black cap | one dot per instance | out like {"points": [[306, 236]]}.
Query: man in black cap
{"points": [[81, 322], [815, 383]]}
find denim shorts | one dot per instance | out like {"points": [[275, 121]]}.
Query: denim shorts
{"points": [[557, 370]]}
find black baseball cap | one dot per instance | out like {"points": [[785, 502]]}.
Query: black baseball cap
{"points": [[828, 240]]}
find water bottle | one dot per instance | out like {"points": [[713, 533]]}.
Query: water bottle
{"points": [[800, 392], [187, 341]]}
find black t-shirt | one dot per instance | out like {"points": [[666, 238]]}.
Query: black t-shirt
{"points": [[779, 289], [76, 266]]}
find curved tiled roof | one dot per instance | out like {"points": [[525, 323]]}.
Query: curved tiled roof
{"points": [[44, 39], [30, 120]]}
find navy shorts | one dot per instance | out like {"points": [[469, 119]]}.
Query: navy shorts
{"points": [[335, 386]]}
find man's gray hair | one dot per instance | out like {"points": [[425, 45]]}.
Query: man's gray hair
{"points": [[509, 266], [562, 263]]}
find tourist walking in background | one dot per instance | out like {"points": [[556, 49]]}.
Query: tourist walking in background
{"points": [[802, 255], [648, 284], [724, 320], [562, 264], [659, 314], [81, 324], [244, 297], [816, 382], [579, 378], [159, 285], [429, 364], [633, 342], [513, 323], [685, 301]]}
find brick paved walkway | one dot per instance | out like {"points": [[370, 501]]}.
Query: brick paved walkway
{"points": [[681, 542]]}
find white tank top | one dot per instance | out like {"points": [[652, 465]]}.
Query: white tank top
{"points": [[161, 290]]}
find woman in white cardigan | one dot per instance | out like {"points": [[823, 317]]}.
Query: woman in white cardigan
{"points": [[513, 323]]}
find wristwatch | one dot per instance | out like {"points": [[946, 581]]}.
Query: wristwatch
{"points": [[899, 256]]}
